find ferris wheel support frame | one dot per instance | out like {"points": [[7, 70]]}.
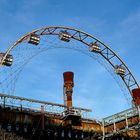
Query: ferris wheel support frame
{"points": [[106, 52]]}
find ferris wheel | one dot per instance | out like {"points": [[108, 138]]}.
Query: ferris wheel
{"points": [[33, 43]]}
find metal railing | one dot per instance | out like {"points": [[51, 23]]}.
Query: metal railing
{"points": [[121, 122], [32, 105]]}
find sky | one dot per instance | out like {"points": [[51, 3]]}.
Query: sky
{"points": [[114, 22]]}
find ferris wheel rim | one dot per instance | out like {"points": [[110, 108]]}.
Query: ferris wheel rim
{"points": [[126, 81]]}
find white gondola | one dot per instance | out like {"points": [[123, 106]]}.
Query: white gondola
{"points": [[8, 60], [65, 36], [120, 70], [34, 39], [94, 47]]}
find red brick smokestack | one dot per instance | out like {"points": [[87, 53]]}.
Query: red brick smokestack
{"points": [[68, 85]]}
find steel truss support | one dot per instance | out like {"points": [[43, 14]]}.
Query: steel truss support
{"points": [[121, 122], [35, 105]]}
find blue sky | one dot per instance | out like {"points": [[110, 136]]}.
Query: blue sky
{"points": [[115, 22]]}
